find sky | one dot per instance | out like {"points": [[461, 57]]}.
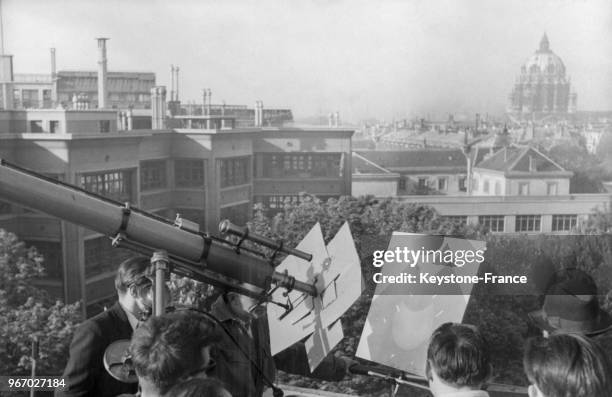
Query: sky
{"points": [[384, 59]]}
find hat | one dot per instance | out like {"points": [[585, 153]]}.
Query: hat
{"points": [[571, 305]]}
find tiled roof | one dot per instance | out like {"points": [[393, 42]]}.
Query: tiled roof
{"points": [[361, 165], [517, 159], [424, 158]]}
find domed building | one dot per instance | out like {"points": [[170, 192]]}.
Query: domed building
{"points": [[542, 89]]}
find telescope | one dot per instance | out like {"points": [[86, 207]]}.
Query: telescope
{"points": [[192, 254]]}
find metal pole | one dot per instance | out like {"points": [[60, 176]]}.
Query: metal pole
{"points": [[34, 358], [160, 262]]}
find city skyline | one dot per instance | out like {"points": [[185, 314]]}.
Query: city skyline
{"points": [[362, 58]]}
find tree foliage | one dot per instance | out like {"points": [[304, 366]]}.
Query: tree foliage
{"points": [[588, 170], [503, 318], [27, 312]]}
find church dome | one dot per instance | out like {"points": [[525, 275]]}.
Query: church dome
{"points": [[544, 62]]}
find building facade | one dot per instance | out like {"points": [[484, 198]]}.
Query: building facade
{"points": [[542, 89], [202, 174]]}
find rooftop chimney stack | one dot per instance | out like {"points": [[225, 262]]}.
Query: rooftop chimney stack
{"points": [[209, 102], [176, 80], [158, 107], [258, 113], [102, 69], [204, 96], [53, 71], [172, 84], [6, 81], [53, 78], [337, 119]]}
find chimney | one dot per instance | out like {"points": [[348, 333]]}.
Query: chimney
{"points": [[204, 96], [209, 102], [330, 120], [257, 114], [172, 83], [337, 117], [6, 81], [158, 107], [102, 65], [53, 79], [53, 71], [261, 114], [223, 123], [176, 81]]}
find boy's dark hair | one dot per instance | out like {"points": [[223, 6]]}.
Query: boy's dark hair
{"points": [[197, 387], [459, 355], [568, 365], [133, 271], [169, 347]]}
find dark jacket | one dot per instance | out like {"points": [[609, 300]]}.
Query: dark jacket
{"points": [[240, 377], [85, 374]]}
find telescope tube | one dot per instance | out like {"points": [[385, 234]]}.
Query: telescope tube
{"points": [[109, 217]]}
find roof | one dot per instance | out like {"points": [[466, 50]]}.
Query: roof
{"points": [[520, 159], [423, 160], [405, 159], [361, 165]]}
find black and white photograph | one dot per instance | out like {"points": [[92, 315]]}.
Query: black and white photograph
{"points": [[310, 198]]}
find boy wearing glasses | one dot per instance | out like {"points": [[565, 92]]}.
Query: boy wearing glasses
{"points": [[84, 373]]}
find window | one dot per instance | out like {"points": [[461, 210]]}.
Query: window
{"points": [[53, 126], [237, 214], [36, 126], [552, 188], [456, 219], [485, 186], [422, 183], [523, 188], [442, 182], [402, 184], [527, 223], [47, 99], [495, 223], [152, 175], [564, 223], [462, 186], [497, 188], [104, 125], [52, 255], [116, 185], [189, 173], [234, 171], [301, 165], [29, 98], [101, 257]]}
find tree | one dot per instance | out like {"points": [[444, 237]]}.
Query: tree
{"points": [[587, 168], [27, 312]]}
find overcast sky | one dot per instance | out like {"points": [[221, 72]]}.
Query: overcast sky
{"points": [[364, 58]]}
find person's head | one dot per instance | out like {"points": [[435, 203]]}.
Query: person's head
{"points": [[197, 387], [133, 285], [571, 305], [458, 359], [243, 306], [172, 347], [567, 365]]}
